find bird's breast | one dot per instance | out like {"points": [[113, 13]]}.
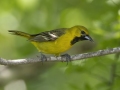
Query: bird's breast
{"points": [[58, 46]]}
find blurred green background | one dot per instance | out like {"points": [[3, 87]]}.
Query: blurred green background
{"points": [[101, 17]]}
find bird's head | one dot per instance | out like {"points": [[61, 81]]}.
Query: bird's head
{"points": [[81, 33]]}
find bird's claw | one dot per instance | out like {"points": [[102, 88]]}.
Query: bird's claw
{"points": [[66, 57], [42, 57]]}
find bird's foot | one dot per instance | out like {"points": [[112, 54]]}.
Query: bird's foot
{"points": [[66, 58], [42, 57]]}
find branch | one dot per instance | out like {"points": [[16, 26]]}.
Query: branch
{"points": [[113, 72], [51, 59]]}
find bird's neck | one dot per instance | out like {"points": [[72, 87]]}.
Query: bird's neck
{"points": [[75, 40]]}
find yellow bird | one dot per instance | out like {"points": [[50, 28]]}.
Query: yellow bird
{"points": [[56, 41]]}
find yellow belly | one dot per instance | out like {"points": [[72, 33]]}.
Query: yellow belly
{"points": [[52, 47], [56, 47]]}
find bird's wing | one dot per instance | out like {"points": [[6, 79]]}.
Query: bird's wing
{"points": [[48, 35]]}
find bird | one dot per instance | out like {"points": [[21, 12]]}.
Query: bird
{"points": [[56, 41]]}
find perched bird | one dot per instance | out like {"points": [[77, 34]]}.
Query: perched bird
{"points": [[56, 41]]}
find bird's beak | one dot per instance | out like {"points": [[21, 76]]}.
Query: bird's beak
{"points": [[87, 37]]}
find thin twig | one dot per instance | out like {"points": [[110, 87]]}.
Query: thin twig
{"points": [[113, 71], [51, 59]]}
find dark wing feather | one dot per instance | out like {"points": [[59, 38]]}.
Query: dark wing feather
{"points": [[48, 35]]}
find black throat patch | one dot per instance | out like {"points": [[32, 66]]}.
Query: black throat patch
{"points": [[77, 39]]}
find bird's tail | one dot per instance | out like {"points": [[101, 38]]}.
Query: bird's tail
{"points": [[19, 33]]}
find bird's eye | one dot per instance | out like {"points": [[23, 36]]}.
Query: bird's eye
{"points": [[82, 32]]}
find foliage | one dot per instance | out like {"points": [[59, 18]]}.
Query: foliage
{"points": [[101, 17]]}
